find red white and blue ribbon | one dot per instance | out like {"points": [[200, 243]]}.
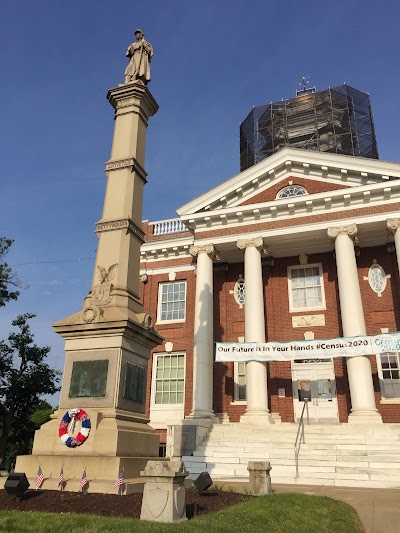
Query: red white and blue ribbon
{"points": [[73, 415]]}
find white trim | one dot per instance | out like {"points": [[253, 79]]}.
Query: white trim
{"points": [[326, 163], [166, 406], [159, 302], [295, 207], [388, 400], [293, 309], [166, 270]]}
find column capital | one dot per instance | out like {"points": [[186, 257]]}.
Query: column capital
{"points": [[350, 230], [202, 248], [393, 224], [256, 242]]}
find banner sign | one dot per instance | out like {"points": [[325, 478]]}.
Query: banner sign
{"points": [[313, 349]]}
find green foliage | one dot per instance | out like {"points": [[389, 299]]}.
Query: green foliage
{"points": [[24, 378], [8, 280], [276, 513]]}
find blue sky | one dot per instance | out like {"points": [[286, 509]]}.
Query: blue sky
{"points": [[213, 61]]}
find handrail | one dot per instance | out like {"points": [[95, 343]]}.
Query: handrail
{"points": [[297, 444]]}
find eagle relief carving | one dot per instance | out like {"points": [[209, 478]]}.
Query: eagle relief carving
{"points": [[101, 294]]}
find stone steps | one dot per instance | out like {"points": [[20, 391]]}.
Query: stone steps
{"points": [[341, 454]]}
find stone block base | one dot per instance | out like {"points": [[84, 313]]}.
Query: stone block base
{"points": [[101, 472], [365, 417], [264, 420]]}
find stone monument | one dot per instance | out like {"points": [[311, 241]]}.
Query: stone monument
{"points": [[108, 342]]}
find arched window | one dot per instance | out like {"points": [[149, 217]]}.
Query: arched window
{"points": [[291, 190]]}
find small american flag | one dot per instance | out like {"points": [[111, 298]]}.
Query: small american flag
{"points": [[39, 478], [120, 479], [84, 480], [61, 478]]}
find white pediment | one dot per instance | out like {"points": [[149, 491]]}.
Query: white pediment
{"points": [[344, 171]]}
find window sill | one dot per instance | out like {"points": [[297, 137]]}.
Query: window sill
{"points": [[166, 322], [388, 401], [239, 402], [307, 309]]}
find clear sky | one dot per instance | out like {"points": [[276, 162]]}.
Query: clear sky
{"points": [[214, 60]]}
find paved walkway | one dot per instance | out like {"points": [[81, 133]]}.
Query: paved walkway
{"points": [[379, 509]]}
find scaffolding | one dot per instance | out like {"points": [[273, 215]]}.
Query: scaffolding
{"points": [[337, 120]]}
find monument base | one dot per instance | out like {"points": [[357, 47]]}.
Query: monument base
{"points": [[118, 441], [101, 472]]}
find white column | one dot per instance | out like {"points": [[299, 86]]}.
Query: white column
{"points": [[363, 408], [393, 224], [203, 352], [256, 372]]}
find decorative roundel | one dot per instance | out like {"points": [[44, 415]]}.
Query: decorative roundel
{"points": [[74, 414]]}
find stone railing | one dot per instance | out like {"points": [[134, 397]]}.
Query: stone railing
{"points": [[166, 227]]}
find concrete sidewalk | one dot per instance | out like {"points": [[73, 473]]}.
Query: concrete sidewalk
{"points": [[379, 509]]}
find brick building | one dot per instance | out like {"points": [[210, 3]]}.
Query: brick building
{"points": [[308, 242]]}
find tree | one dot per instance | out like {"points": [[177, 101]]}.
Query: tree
{"points": [[8, 280], [24, 377]]}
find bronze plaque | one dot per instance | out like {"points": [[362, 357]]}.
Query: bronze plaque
{"points": [[135, 382], [89, 379]]}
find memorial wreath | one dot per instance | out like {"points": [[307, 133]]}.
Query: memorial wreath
{"points": [[77, 440]]}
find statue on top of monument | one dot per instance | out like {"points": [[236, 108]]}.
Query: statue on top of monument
{"points": [[140, 54]]}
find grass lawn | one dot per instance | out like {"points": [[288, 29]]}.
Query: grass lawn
{"points": [[276, 513]]}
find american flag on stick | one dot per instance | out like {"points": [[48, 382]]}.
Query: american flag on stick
{"points": [[120, 479], [84, 480], [39, 478], [61, 479]]}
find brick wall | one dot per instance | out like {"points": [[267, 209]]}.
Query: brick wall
{"points": [[380, 312]]}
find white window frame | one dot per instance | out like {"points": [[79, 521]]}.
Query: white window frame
{"points": [[236, 383], [387, 399], [293, 309], [166, 406], [159, 302], [281, 193]]}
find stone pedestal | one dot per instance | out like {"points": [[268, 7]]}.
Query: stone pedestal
{"points": [[109, 341], [164, 494], [259, 477]]}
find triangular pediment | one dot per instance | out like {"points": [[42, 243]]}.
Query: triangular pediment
{"points": [[317, 172]]}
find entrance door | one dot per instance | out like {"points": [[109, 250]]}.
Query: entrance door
{"points": [[315, 381]]}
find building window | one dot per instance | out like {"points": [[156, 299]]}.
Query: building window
{"points": [[168, 378], [240, 382], [306, 288], [388, 370], [239, 291], [377, 279], [291, 190], [172, 301]]}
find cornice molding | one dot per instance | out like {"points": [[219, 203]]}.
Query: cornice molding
{"points": [[118, 224], [348, 170], [306, 205], [130, 163]]}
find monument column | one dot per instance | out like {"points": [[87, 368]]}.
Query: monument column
{"points": [[109, 341], [256, 372], [363, 408], [393, 225], [203, 352]]}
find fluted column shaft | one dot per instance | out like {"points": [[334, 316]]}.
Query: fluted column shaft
{"points": [[203, 355], [256, 372], [353, 322]]}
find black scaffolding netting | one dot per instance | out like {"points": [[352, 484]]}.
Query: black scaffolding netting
{"points": [[337, 120]]}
